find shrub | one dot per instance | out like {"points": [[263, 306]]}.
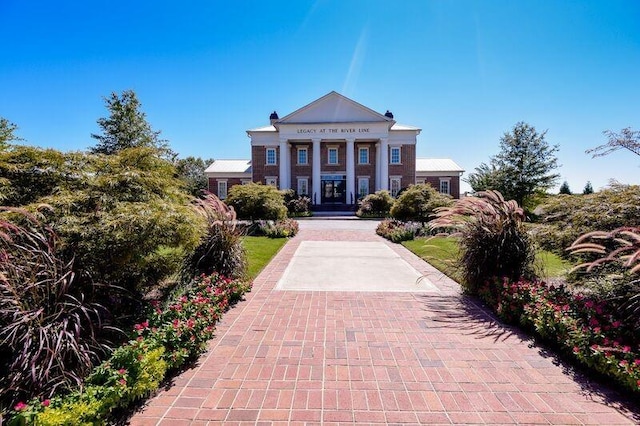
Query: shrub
{"points": [[397, 231], [279, 229], [418, 203], [377, 204], [255, 201], [297, 205], [564, 218], [221, 249], [49, 330], [169, 337], [493, 240]]}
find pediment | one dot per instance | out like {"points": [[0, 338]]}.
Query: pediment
{"points": [[333, 108]]}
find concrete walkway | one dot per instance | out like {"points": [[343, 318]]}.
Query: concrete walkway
{"points": [[295, 356]]}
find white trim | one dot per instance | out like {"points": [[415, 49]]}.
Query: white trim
{"points": [[363, 180], [448, 189], [306, 186], [306, 156], [365, 149], [337, 150], [399, 162], [223, 194], [275, 156], [392, 180], [271, 180]]}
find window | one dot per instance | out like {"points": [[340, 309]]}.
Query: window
{"points": [[222, 189], [271, 157], [333, 155], [272, 181], [302, 155], [395, 155], [245, 182], [395, 186], [303, 186], [363, 187], [419, 181], [363, 155], [444, 186]]}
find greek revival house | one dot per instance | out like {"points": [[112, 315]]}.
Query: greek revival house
{"points": [[335, 151]]}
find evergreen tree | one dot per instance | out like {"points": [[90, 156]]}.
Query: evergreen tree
{"points": [[7, 134], [564, 188], [191, 171], [588, 189], [525, 165], [127, 127]]}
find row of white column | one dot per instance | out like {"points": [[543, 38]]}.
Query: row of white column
{"points": [[382, 168]]}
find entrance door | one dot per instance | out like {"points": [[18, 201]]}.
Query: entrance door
{"points": [[333, 191]]}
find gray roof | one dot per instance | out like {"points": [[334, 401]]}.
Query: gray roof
{"points": [[437, 165], [229, 166]]}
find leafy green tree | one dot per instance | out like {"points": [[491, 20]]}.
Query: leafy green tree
{"points": [[627, 139], [255, 201], [7, 133], [564, 188], [418, 203], [525, 165], [191, 171], [485, 177], [588, 189], [127, 127]]}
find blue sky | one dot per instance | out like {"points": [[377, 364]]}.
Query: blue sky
{"points": [[206, 71]]}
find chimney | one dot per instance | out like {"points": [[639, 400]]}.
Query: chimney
{"points": [[273, 117], [388, 114]]}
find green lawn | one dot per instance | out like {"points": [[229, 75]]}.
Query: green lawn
{"points": [[260, 250], [442, 251]]}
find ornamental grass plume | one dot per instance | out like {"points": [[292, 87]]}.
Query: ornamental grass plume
{"points": [[493, 240], [619, 247]]}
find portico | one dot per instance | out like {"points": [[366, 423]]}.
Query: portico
{"points": [[333, 150]]}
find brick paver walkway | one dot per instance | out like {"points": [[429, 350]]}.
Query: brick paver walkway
{"points": [[284, 357]]}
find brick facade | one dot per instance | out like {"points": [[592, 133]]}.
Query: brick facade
{"points": [[260, 169], [454, 184], [407, 168], [301, 170]]}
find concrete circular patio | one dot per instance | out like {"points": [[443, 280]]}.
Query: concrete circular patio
{"points": [[291, 353]]}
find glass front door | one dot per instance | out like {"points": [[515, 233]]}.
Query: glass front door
{"points": [[333, 191]]}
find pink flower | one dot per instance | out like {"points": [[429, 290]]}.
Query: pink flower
{"points": [[616, 324], [46, 402], [20, 406], [576, 350], [589, 304], [624, 363], [637, 362], [593, 322], [122, 381], [122, 371], [626, 349]]}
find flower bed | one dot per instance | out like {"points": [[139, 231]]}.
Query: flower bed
{"points": [[397, 231], [171, 336], [583, 328]]}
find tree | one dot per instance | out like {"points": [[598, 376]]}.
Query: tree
{"points": [[525, 165], [191, 171], [7, 134], [564, 188], [485, 177], [588, 189], [626, 139], [127, 127]]}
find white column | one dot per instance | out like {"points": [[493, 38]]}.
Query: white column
{"points": [[351, 171], [384, 163], [377, 186], [315, 172], [285, 164]]}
